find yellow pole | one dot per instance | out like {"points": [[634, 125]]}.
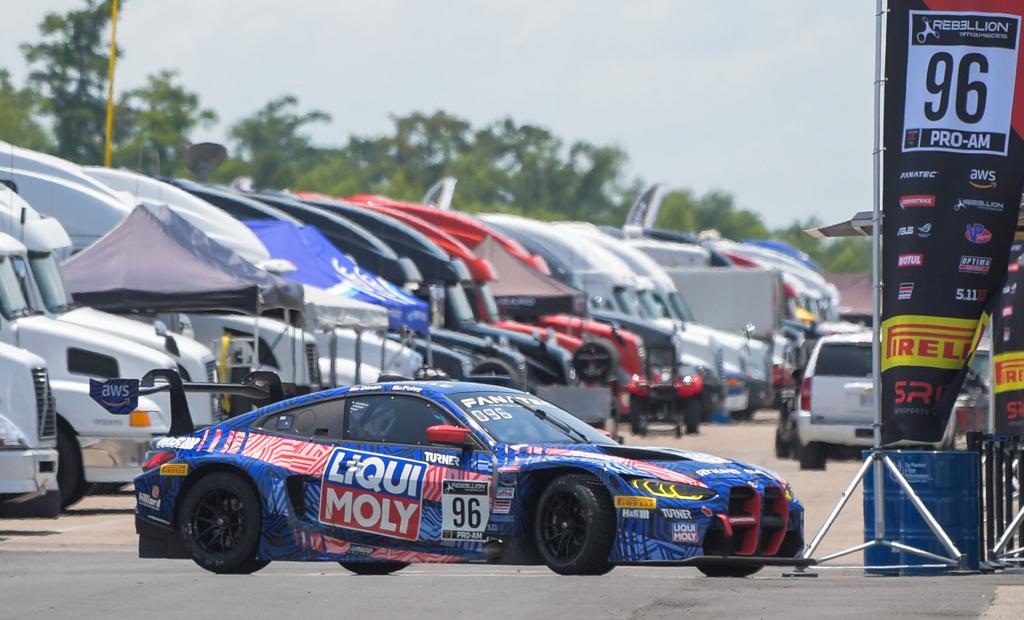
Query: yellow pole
{"points": [[110, 83]]}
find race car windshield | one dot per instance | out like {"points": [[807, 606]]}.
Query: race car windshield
{"points": [[524, 419]]}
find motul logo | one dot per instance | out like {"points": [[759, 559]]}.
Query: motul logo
{"points": [[917, 200], [910, 260]]}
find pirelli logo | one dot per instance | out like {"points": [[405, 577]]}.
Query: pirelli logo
{"points": [[935, 342], [1009, 371]]}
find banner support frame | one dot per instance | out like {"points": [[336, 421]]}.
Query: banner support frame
{"points": [[877, 459]]}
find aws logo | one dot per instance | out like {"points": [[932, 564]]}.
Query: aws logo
{"points": [[930, 341], [983, 179], [1009, 371]]}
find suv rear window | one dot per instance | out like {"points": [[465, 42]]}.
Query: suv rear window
{"points": [[844, 360]]}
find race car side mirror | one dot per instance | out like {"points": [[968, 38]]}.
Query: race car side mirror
{"points": [[448, 434]]}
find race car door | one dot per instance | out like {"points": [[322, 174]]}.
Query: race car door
{"points": [[386, 485]]}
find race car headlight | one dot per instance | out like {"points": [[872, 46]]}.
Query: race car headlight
{"points": [[671, 490]]}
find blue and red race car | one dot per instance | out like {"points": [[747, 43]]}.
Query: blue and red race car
{"points": [[380, 476]]}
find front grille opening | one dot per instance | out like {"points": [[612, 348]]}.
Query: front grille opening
{"points": [[745, 519], [46, 410], [774, 520]]}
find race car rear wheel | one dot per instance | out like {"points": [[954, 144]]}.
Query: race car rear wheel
{"points": [[729, 571], [221, 520], [373, 568], [574, 526]]}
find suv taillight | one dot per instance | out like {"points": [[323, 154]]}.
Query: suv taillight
{"points": [[805, 395]]}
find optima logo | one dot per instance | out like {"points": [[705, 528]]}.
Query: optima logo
{"points": [[975, 264], [917, 200], [910, 260], [934, 342]]}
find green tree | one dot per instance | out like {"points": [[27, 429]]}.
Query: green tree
{"points": [[68, 70], [155, 123], [273, 143], [18, 110]]}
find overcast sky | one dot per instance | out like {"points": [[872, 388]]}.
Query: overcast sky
{"points": [[770, 101]]}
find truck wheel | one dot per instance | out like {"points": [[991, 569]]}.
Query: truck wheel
{"points": [[811, 455], [221, 521], [692, 416], [574, 526], [70, 479], [729, 570], [499, 368], [373, 568]]}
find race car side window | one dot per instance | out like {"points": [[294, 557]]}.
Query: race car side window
{"points": [[391, 419], [319, 420]]}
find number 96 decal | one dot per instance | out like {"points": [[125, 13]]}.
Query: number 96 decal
{"points": [[465, 507]]}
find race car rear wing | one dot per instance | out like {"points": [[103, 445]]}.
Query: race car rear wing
{"points": [[121, 396]]}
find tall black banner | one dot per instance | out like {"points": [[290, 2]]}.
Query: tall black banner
{"points": [[1008, 345], [951, 187]]}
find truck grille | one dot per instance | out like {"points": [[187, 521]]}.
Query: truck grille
{"points": [[45, 409], [219, 415], [757, 522], [313, 361]]}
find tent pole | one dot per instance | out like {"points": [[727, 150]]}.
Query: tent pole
{"points": [[383, 346], [333, 351], [359, 356], [256, 338]]}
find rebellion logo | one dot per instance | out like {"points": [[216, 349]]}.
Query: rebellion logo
{"points": [[978, 234], [975, 264], [982, 179], [934, 342], [1009, 371], [910, 260], [917, 200]]}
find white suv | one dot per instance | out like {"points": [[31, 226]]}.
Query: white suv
{"points": [[834, 409]]}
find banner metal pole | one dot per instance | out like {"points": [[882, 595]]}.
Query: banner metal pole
{"points": [[876, 278]]}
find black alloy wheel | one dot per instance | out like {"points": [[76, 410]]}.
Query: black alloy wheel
{"points": [[221, 522], [574, 526]]}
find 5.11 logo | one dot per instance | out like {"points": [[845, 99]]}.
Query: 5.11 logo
{"points": [[961, 69]]}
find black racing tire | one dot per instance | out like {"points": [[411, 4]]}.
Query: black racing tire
{"points": [[70, 474], [744, 570], [744, 415], [692, 416], [574, 526], [221, 519], [781, 447], [500, 368], [373, 568]]}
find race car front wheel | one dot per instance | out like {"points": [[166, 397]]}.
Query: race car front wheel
{"points": [[729, 571], [373, 568], [221, 521], [574, 526]]}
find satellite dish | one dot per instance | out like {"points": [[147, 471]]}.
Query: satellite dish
{"points": [[203, 158], [440, 194]]}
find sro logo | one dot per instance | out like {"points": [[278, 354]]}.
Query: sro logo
{"points": [[917, 392], [983, 179], [1015, 410]]}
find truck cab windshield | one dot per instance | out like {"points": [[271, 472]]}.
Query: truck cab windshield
{"points": [[12, 298], [51, 283]]}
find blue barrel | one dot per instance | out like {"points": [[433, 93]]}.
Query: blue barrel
{"points": [[947, 483]]}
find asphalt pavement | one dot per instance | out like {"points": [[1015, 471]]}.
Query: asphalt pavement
{"points": [[84, 565]]}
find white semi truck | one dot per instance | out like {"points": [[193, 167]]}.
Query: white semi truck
{"points": [[28, 437], [93, 445]]}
